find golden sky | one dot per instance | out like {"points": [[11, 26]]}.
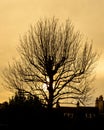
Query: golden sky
{"points": [[17, 15]]}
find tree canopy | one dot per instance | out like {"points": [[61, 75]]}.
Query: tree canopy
{"points": [[55, 63]]}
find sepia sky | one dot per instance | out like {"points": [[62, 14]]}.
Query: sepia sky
{"points": [[16, 16]]}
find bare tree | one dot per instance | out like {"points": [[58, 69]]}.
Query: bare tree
{"points": [[55, 63]]}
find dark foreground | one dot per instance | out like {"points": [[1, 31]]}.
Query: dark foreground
{"points": [[46, 120]]}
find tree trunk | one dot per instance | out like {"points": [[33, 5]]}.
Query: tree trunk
{"points": [[50, 89]]}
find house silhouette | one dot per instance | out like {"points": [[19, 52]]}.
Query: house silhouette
{"points": [[84, 112]]}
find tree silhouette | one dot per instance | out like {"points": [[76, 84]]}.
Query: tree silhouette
{"points": [[20, 99], [55, 64]]}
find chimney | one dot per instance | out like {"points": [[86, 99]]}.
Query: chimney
{"points": [[100, 104]]}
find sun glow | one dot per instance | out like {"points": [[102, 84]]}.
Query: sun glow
{"points": [[45, 85]]}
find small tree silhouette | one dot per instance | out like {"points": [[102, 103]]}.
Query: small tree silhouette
{"points": [[20, 99]]}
